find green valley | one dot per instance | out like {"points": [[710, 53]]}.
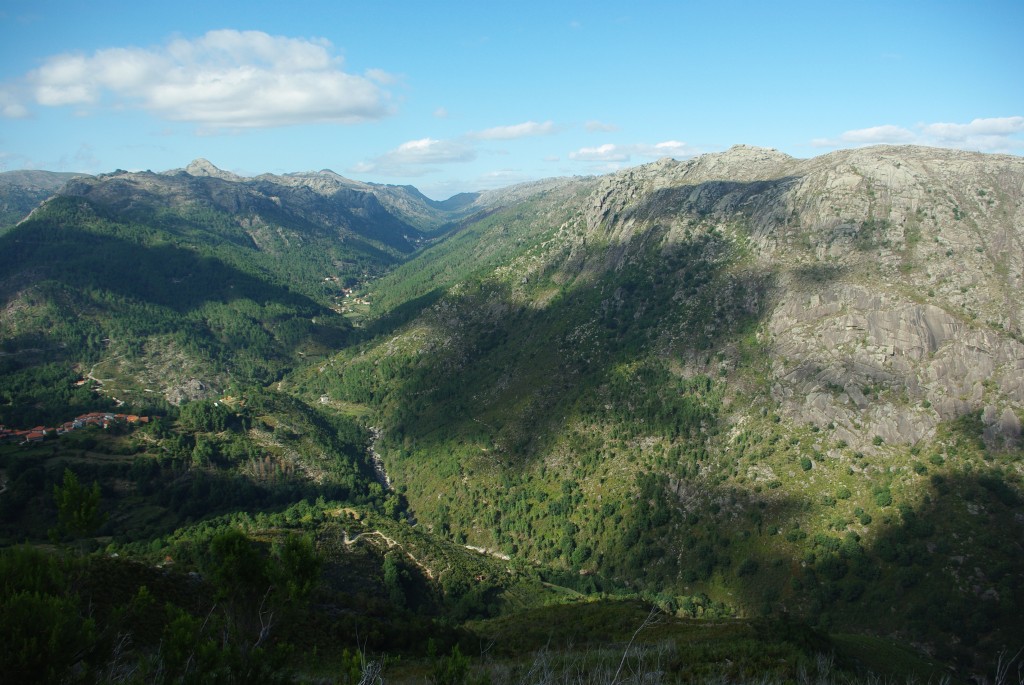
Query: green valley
{"points": [[742, 418]]}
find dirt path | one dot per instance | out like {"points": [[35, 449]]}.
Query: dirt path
{"points": [[103, 361], [488, 552], [391, 544]]}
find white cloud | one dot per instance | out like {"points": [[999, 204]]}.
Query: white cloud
{"points": [[595, 126], [381, 76], [1000, 134], [669, 148], [623, 153], [441, 113], [1001, 126], [602, 153], [523, 130], [432, 151], [878, 134], [415, 157], [224, 79]]}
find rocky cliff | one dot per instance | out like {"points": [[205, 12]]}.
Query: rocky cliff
{"points": [[897, 273]]}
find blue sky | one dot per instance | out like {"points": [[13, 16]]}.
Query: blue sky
{"points": [[455, 96]]}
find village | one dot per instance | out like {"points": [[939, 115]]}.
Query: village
{"points": [[340, 306], [39, 433]]}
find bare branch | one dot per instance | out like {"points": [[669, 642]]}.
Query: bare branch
{"points": [[652, 618], [1003, 666], [266, 620]]}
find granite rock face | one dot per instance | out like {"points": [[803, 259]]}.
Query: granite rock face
{"points": [[877, 364], [898, 276]]}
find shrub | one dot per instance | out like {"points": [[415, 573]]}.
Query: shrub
{"points": [[883, 497], [748, 568]]}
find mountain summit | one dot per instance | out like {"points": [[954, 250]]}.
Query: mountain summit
{"points": [[203, 167]]}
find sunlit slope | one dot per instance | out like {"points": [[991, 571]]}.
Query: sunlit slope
{"points": [[782, 384]]}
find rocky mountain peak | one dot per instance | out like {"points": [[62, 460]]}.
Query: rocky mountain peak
{"points": [[203, 167], [741, 163], [324, 182]]}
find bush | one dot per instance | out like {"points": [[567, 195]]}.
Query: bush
{"points": [[883, 497], [748, 568]]}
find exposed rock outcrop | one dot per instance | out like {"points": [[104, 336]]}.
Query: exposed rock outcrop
{"points": [[898, 272]]}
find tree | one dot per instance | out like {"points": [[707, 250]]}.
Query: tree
{"points": [[202, 453], [204, 415], [449, 670], [42, 636], [394, 577], [299, 566], [78, 507], [44, 631], [236, 567]]}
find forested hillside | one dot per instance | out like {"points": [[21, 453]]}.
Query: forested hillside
{"points": [[746, 377], [23, 191], [744, 417], [162, 288]]}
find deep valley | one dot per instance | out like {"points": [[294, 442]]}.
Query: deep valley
{"points": [[739, 418]]}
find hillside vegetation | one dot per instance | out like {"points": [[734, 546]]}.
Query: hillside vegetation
{"points": [[23, 191], [789, 386], [744, 417]]}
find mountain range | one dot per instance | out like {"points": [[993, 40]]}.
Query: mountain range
{"points": [[743, 385]]}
